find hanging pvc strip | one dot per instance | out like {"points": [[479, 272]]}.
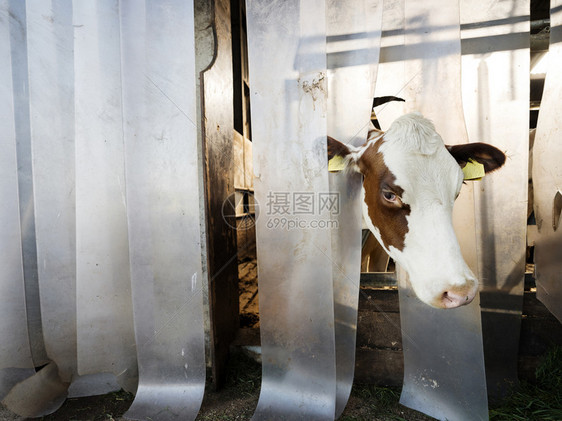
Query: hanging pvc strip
{"points": [[390, 75], [443, 355], [51, 105], [287, 58], [104, 306], [495, 81], [16, 363], [163, 207], [18, 34], [45, 386], [353, 37], [50, 37], [547, 175]]}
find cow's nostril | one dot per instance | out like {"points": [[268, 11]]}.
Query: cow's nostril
{"points": [[451, 299]]}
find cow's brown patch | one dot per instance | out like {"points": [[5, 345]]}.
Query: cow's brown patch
{"points": [[389, 218]]}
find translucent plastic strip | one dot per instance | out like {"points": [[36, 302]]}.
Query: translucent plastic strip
{"points": [[443, 352], [353, 33], [15, 354], [547, 175], [287, 59], [496, 104], [51, 105], [37, 395], [443, 369], [390, 74], [163, 207], [17, 23], [104, 306], [17, 357]]}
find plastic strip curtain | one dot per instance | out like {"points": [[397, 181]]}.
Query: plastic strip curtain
{"points": [[51, 106], [163, 207], [390, 76], [17, 23], [19, 379], [42, 48], [547, 174], [64, 73], [102, 258], [16, 363], [51, 98], [495, 70], [287, 59], [296, 301], [443, 352], [353, 39]]}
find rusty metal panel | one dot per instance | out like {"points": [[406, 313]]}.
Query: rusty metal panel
{"points": [[495, 85], [547, 175], [217, 148]]}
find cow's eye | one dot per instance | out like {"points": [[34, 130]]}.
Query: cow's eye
{"points": [[389, 196]]}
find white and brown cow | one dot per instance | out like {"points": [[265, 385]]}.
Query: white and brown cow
{"points": [[410, 182]]}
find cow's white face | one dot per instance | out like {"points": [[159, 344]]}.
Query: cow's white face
{"points": [[411, 180]]}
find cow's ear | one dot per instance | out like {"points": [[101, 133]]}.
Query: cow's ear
{"points": [[489, 156], [340, 156], [335, 147]]}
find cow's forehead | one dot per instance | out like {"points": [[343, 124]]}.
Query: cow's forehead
{"points": [[414, 134], [417, 157], [420, 174]]}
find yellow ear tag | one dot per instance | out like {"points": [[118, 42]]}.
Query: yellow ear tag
{"points": [[473, 170], [337, 163]]}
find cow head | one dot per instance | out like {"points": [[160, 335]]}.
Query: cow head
{"points": [[410, 182]]}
